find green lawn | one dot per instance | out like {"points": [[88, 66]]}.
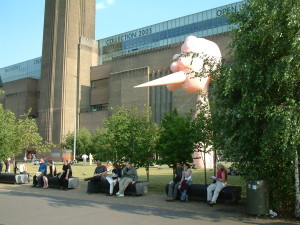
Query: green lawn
{"points": [[159, 176]]}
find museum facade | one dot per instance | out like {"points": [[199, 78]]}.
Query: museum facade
{"points": [[78, 79]]}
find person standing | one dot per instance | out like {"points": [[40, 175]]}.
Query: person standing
{"points": [[84, 158], [91, 159], [37, 179], [173, 185], [221, 182], [129, 176], [64, 176], [99, 173]]}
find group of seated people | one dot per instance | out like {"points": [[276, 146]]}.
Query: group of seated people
{"points": [[183, 180], [123, 177], [41, 178]]}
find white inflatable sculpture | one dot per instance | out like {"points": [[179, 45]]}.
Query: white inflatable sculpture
{"points": [[191, 71]]}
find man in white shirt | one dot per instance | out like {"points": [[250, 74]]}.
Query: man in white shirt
{"points": [[84, 158]]}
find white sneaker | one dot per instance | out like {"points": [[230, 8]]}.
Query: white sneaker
{"points": [[120, 195], [117, 194]]}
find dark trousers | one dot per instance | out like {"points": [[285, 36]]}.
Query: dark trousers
{"points": [[92, 186], [63, 183], [38, 180]]}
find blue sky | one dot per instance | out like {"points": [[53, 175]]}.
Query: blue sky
{"points": [[21, 21]]}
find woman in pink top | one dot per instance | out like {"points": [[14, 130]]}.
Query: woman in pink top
{"points": [[221, 182]]}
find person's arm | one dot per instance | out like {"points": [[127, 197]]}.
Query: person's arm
{"points": [[104, 172], [135, 176], [182, 176], [188, 173], [223, 179], [67, 174], [53, 169]]}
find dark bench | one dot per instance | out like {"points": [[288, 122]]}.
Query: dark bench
{"points": [[136, 189], [11, 178], [229, 194], [73, 182]]}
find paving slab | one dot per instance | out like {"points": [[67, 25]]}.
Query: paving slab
{"points": [[22, 204]]}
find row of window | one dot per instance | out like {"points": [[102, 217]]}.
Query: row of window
{"points": [[171, 36], [178, 31]]}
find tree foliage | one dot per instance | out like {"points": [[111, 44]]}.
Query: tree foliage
{"points": [[256, 96], [84, 143], [17, 135], [176, 139], [130, 136]]}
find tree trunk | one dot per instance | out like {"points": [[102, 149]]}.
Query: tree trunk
{"points": [[147, 172], [297, 203], [215, 160], [204, 162]]}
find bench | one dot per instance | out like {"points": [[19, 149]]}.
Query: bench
{"points": [[11, 178], [136, 189], [73, 182], [229, 194]]}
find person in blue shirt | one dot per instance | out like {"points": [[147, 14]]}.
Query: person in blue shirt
{"points": [[38, 178]]}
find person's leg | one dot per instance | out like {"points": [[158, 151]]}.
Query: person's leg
{"points": [[171, 190], [121, 184], [46, 185], [65, 184], [61, 179], [183, 195], [94, 181], [45, 182], [34, 181], [126, 182], [210, 189], [40, 180], [175, 193], [219, 187], [111, 185]]}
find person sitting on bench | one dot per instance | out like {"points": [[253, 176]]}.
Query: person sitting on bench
{"points": [[114, 178], [52, 173], [63, 177], [38, 178], [173, 185], [221, 182], [99, 173], [129, 176]]}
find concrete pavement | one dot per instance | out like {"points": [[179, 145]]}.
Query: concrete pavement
{"points": [[21, 204]]}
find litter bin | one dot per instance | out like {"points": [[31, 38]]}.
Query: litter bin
{"points": [[257, 197]]}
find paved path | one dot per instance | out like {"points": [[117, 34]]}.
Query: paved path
{"points": [[22, 205]]}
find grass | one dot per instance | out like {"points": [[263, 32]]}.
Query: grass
{"points": [[159, 176]]}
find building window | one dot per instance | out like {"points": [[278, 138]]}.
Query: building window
{"points": [[100, 107]]}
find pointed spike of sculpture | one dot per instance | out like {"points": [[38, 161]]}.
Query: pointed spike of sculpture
{"points": [[173, 78]]}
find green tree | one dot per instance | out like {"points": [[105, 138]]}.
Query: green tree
{"points": [[7, 134], [175, 142], [101, 150], [202, 130], [83, 142], [17, 135], [130, 136], [256, 97]]}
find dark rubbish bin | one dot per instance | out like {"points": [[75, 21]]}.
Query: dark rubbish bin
{"points": [[257, 197]]}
